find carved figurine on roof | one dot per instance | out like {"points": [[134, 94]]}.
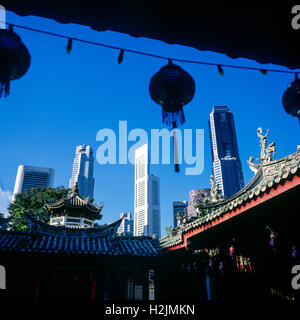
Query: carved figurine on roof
{"points": [[266, 154], [214, 196]]}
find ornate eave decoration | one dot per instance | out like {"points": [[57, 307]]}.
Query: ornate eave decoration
{"points": [[268, 173], [266, 153]]}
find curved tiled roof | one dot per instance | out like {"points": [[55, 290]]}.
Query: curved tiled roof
{"points": [[75, 201], [43, 238], [59, 244], [267, 177]]}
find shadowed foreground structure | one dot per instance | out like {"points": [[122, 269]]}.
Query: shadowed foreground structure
{"points": [[242, 247]]}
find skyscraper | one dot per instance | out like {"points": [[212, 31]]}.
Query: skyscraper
{"points": [[146, 196], [179, 208], [29, 177], [82, 173], [126, 226], [227, 168]]}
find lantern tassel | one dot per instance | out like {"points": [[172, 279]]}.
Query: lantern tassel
{"points": [[173, 118], [4, 89]]}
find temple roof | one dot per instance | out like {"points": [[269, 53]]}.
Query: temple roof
{"points": [[43, 238], [75, 201], [269, 175]]}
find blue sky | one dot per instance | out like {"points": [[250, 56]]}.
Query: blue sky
{"points": [[64, 100]]}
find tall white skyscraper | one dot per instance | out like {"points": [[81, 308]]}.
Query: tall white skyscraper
{"points": [[126, 226], [29, 177], [82, 173], [146, 196]]}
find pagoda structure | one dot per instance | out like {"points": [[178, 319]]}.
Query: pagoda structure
{"points": [[74, 211]]}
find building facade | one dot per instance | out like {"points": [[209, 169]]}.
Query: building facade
{"points": [[198, 194], [82, 172], [179, 209], [227, 167], [29, 177], [126, 226], [146, 196]]}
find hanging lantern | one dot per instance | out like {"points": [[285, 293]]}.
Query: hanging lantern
{"points": [[231, 251], [210, 263], [272, 240], [14, 59], [221, 267], [172, 88], [294, 252], [291, 98]]}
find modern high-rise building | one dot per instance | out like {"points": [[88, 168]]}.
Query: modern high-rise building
{"points": [[29, 177], [82, 173], [146, 196], [227, 167], [126, 226], [179, 209], [196, 194]]}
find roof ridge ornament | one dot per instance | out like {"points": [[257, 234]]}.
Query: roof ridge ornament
{"points": [[75, 188], [266, 153], [213, 197], [215, 192]]}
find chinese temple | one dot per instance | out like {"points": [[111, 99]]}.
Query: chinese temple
{"points": [[74, 211], [242, 247]]}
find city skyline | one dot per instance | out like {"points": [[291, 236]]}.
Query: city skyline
{"points": [[74, 110]]}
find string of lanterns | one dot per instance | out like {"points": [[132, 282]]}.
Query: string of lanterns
{"points": [[171, 87], [218, 262]]}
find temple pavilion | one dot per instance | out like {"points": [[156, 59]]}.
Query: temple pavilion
{"points": [[74, 211]]}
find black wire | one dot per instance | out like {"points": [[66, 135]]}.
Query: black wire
{"points": [[148, 54]]}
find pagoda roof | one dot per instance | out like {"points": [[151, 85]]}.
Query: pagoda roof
{"points": [[271, 179], [75, 201], [46, 239]]}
